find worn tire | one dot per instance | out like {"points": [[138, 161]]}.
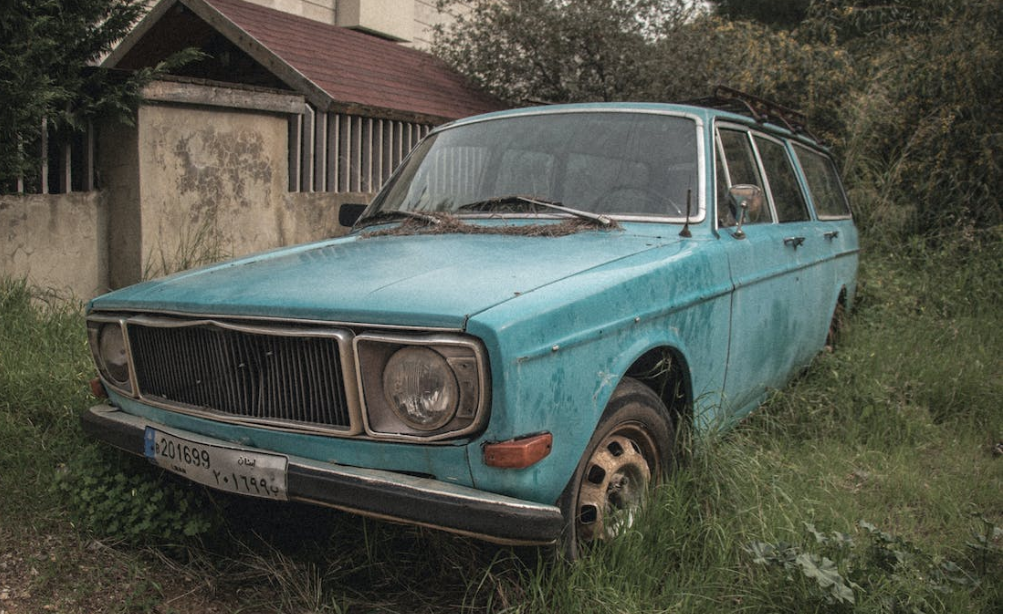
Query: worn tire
{"points": [[838, 324], [632, 447]]}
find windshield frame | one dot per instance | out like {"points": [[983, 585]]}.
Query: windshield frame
{"points": [[700, 140]]}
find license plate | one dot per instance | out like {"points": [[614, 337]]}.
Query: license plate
{"points": [[231, 469]]}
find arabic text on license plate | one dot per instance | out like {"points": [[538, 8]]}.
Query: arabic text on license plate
{"points": [[241, 471]]}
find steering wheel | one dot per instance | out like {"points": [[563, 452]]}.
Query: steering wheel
{"points": [[645, 194]]}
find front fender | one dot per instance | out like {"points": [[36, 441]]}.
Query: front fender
{"points": [[555, 363]]}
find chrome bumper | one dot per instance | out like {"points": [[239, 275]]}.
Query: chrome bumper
{"points": [[370, 492]]}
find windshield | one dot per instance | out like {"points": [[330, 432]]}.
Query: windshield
{"points": [[607, 163]]}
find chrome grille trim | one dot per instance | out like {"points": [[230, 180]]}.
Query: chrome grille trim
{"points": [[286, 377]]}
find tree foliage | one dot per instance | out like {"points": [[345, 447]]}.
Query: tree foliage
{"points": [[45, 49], [784, 14], [908, 92], [925, 120], [557, 50]]}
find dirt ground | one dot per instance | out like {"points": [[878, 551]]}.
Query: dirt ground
{"points": [[43, 572]]}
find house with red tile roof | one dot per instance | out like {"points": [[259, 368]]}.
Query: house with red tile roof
{"points": [[257, 144], [352, 82]]}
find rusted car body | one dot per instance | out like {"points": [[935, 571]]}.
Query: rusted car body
{"points": [[511, 336]]}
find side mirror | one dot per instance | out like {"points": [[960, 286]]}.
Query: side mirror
{"points": [[745, 198], [349, 213]]}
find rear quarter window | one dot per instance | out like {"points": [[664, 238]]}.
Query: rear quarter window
{"points": [[823, 183]]}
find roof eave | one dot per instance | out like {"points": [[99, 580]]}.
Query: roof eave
{"points": [[137, 33], [355, 108], [318, 97]]}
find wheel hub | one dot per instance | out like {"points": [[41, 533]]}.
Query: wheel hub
{"points": [[613, 488]]}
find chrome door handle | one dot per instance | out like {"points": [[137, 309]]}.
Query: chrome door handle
{"points": [[794, 241], [831, 235]]}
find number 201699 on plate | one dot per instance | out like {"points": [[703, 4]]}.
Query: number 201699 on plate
{"points": [[229, 469]]}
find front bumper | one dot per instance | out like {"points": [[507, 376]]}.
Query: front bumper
{"points": [[370, 492]]}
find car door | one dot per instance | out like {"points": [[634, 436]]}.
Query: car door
{"points": [[774, 319], [838, 242]]}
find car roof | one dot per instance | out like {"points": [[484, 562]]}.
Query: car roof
{"points": [[706, 113]]}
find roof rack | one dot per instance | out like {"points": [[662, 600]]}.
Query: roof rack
{"points": [[759, 109]]}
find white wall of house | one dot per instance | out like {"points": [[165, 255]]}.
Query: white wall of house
{"points": [[408, 21]]}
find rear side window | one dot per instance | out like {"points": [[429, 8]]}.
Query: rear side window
{"points": [[821, 178], [787, 194]]}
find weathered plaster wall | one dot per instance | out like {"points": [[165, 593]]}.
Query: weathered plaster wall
{"points": [[213, 182], [56, 241], [310, 216], [201, 177], [117, 157], [209, 182]]}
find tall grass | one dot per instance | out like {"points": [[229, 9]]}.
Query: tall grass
{"points": [[44, 369]]}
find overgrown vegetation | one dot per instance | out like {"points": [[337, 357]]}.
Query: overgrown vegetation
{"points": [[873, 484], [874, 474], [908, 93]]}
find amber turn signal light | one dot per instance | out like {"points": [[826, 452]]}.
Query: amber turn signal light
{"points": [[97, 390], [517, 453]]}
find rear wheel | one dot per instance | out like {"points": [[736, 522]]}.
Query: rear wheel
{"points": [[631, 449], [838, 323]]}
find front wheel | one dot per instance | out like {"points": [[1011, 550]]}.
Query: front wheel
{"points": [[631, 449]]}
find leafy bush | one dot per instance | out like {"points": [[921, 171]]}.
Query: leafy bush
{"points": [[888, 574], [925, 120], [110, 494]]}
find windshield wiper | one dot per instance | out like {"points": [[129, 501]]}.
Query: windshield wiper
{"points": [[380, 217], [523, 199]]}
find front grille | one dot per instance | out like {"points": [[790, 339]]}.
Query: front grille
{"points": [[248, 375]]}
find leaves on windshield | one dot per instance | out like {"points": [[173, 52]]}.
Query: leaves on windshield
{"points": [[531, 202], [444, 223]]}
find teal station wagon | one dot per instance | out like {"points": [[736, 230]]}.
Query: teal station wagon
{"points": [[513, 334]]}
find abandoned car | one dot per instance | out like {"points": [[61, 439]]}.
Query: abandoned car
{"points": [[512, 336]]}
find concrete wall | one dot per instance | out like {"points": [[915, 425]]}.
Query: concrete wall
{"points": [[117, 158], [57, 241], [426, 16], [392, 18], [212, 181], [204, 177], [214, 186]]}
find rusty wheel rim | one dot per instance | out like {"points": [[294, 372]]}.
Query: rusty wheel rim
{"points": [[615, 482]]}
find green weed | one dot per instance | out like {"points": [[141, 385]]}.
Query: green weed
{"points": [[114, 495]]}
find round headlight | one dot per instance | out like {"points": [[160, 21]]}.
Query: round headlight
{"points": [[113, 352], [421, 388]]}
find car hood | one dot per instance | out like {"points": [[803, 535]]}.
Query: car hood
{"points": [[416, 280]]}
